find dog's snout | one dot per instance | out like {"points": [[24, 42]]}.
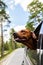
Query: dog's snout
{"points": [[15, 34]]}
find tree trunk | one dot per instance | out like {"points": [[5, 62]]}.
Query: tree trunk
{"points": [[2, 46]]}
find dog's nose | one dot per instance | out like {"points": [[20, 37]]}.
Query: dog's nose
{"points": [[15, 34]]}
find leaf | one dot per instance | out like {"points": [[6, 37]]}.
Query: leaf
{"points": [[2, 3], [30, 25]]}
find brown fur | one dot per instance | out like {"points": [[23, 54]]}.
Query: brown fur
{"points": [[26, 37]]}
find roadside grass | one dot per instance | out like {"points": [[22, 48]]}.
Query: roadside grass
{"points": [[5, 54], [8, 51]]}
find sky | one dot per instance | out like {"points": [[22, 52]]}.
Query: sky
{"points": [[17, 10]]}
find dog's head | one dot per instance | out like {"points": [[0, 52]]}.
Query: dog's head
{"points": [[22, 36], [26, 37]]}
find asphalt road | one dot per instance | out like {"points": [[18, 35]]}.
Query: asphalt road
{"points": [[15, 58]]}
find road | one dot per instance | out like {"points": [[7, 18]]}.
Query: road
{"points": [[15, 58]]}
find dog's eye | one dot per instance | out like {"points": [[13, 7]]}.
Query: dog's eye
{"points": [[22, 31]]}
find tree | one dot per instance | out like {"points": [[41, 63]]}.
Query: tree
{"points": [[3, 17], [11, 39], [30, 26], [6, 46], [36, 12]]}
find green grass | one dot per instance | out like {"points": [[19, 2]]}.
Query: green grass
{"points": [[5, 54]]}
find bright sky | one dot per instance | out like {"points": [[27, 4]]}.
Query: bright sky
{"points": [[17, 10]]}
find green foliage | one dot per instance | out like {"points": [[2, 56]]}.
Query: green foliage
{"points": [[12, 43], [20, 45], [0, 48], [36, 13], [6, 46], [3, 17], [2, 10], [30, 26], [4, 5], [35, 5], [35, 8], [12, 31]]}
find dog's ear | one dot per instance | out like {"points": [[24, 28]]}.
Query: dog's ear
{"points": [[33, 35]]}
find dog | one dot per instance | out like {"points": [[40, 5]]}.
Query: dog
{"points": [[27, 38]]}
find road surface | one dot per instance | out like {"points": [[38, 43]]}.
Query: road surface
{"points": [[15, 58]]}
